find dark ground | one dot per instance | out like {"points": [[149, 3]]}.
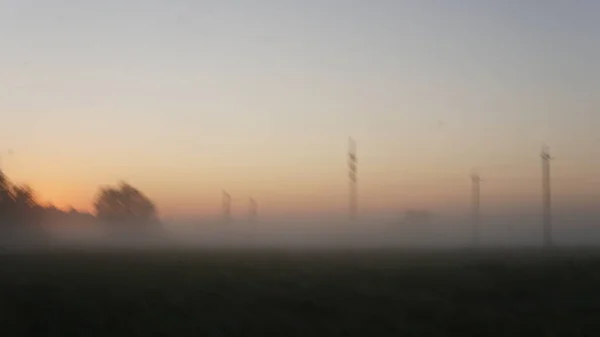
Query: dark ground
{"points": [[291, 294]]}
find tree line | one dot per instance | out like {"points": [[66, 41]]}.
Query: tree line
{"points": [[120, 205]]}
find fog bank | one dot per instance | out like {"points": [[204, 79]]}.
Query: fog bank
{"points": [[499, 232]]}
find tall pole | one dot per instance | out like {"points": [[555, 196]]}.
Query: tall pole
{"points": [[352, 181], [475, 188], [547, 202], [252, 210], [226, 200]]}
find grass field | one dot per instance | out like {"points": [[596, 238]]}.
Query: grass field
{"points": [[344, 293]]}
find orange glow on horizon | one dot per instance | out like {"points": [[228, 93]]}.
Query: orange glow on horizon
{"points": [[196, 192]]}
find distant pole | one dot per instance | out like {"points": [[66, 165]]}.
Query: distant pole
{"points": [[475, 188], [226, 207], [352, 181], [252, 210], [547, 202]]}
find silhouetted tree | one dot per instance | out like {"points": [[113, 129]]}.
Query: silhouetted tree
{"points": [[28, 210], [20, 210], [125, 205], [53, 216], [24, 195], [18, 206], [7, 210]]}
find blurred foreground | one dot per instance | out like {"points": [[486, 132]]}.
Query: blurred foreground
{"points": [[303, 279], [283, 293], [506, 233]]}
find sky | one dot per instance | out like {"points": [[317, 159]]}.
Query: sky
{"points": [[186, 98]]}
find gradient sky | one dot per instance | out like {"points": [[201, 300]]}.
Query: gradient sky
{"points": [[184, 98]]}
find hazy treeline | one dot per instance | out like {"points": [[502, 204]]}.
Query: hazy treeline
{"points": [[120, 205]]}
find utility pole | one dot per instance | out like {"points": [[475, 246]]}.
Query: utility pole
{"points": [[226, 200], [546, 195], [252, 210], [475, 188], [352, 182]]}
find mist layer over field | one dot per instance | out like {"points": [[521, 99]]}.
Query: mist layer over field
{"points": [[501, 232]]}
